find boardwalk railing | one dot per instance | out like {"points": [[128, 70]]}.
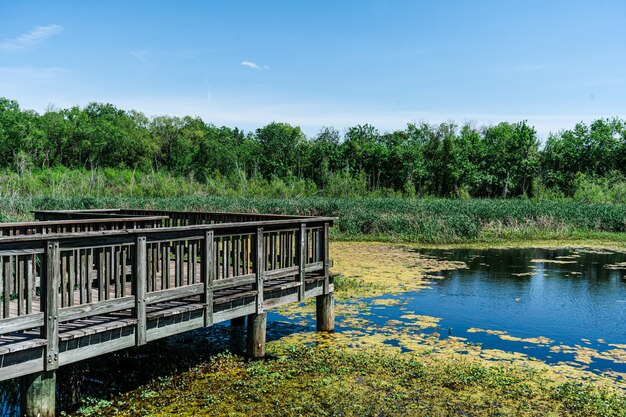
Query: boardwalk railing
{"points": [[174, 218], [84, 225], [76, 293]]}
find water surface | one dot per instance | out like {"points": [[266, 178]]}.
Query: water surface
{"points": [[564, 305]]}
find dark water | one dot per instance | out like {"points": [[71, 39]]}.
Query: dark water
{"points": [[578, 304]]}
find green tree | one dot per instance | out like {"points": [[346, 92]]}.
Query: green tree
{"points": [[280, 143], [511, 159]]}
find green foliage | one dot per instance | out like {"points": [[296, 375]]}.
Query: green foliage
{"points": [[446, 160]]}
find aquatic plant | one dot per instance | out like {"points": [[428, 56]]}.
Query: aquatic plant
{"points": [[327, 380]]}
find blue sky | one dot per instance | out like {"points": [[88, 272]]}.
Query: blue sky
{"points": [[322, 63]]}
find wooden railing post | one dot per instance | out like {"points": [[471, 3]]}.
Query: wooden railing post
{"points": [[38, 390], [208, 275], [260, 269], [302, 239], [140, 289], [6, 271], [50, 307], [326, 258]]}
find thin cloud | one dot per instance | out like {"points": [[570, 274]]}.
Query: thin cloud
{"points": [[142, 55], [253, 65], [37, 35]]}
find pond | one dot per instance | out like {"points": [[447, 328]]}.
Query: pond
{"points": [[559, 306]]}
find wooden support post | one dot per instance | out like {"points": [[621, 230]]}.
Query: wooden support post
{"points": [[208, 276], [260, 273], [140, 288], [303, 242], [38, 394], [255, 341], [49, 305], [325, 309]]}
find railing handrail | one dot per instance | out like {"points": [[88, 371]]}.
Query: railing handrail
{"points": [[182, 230], [80, 221], [165, 212]]}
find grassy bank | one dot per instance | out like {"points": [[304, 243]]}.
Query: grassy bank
{"points": [[435, 221]]}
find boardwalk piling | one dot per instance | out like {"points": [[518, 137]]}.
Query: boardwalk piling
{"points": [[237, 335], [255, 343], [38, 394], [325, 309]]}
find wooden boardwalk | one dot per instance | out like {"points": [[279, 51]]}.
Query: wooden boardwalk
{"points": [[79, 284]]}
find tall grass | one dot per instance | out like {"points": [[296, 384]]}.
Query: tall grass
{"points": [[395, 219], [109, 182]]}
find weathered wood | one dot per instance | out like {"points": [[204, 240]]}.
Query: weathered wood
{"points": [[208, 275], [293, 271], [16, 324], [287, 298], [89, 274], [325, 312], [38, 394], [260, 269], [77, 225], [49, 306], [30, 282], [101, 274], [20, 277], [97, 344], [86, 327], [180, 323], [302, 236], [108, 267], [173, 293], [255, 340], [140, 289], [22, 363], [7, 272], [165, 233], [123, 268], [19, 342], [224, 283], [233, 311], [71, 259], [151, 269], [98, 308], [326, 258]]}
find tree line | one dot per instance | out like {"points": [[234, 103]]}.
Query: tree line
{"points": [[503, 160]]}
